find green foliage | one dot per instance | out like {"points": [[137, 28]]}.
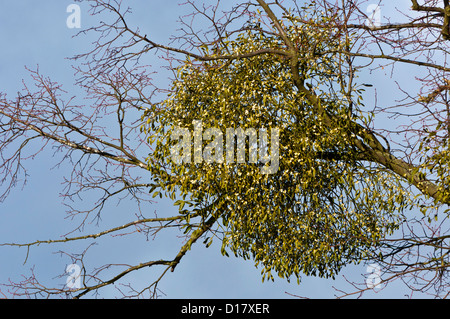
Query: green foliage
{"points": [[435, 163], [324, 207]]}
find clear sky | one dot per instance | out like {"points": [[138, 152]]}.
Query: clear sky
{"points": [[35, 33]]}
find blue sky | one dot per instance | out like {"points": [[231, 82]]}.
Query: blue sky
{"points": [[35, 33]]}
